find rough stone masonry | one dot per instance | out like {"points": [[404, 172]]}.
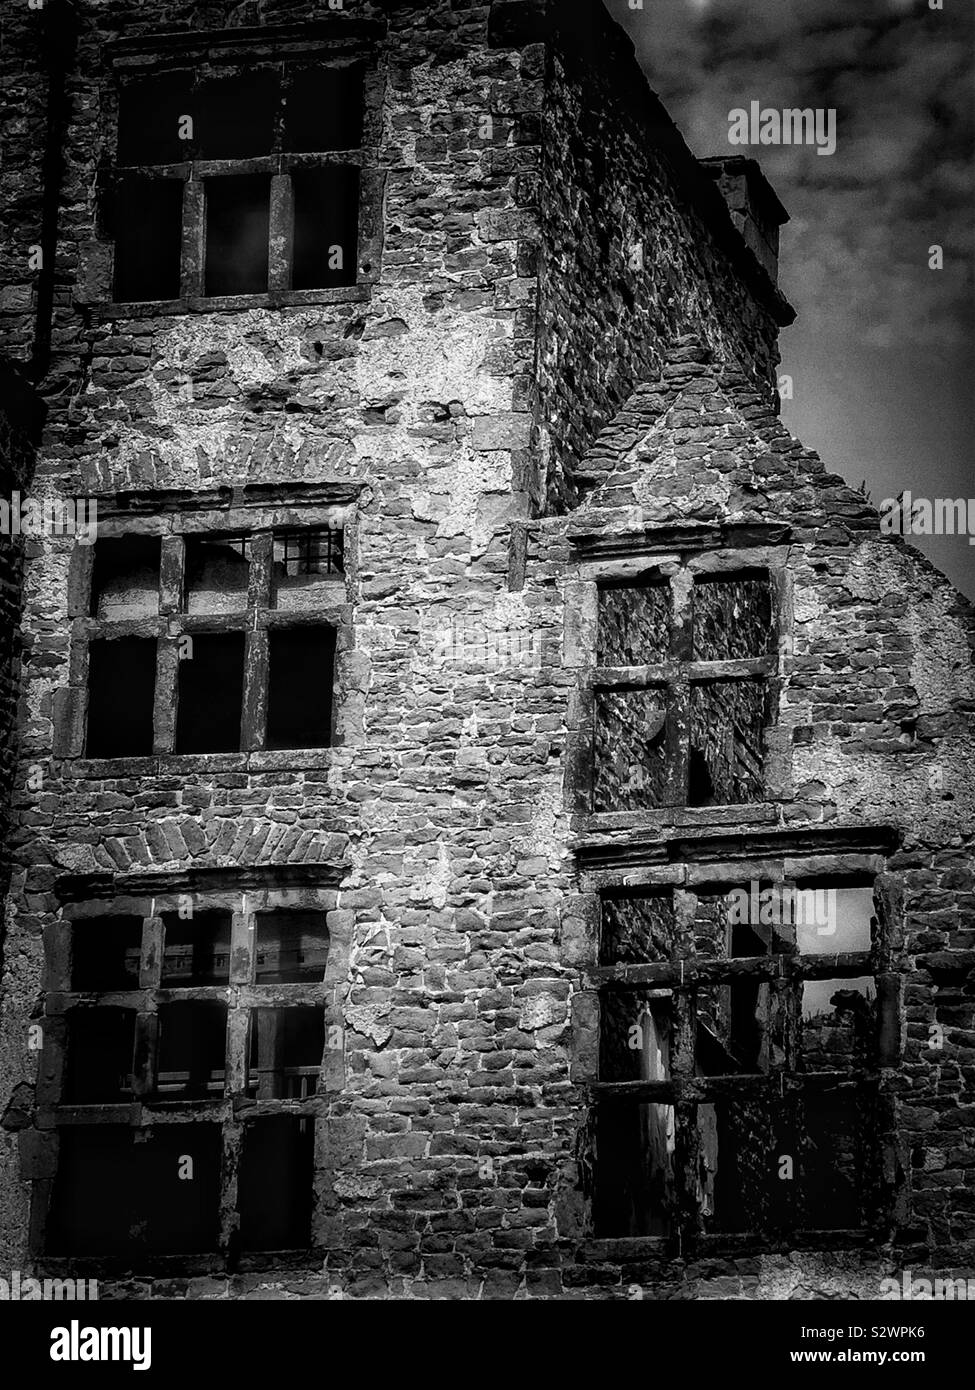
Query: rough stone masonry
{"points": [[463, 635]]}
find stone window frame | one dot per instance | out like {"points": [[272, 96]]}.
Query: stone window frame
{"points": [[637, 559], [777, 858], [337, 40], [236, 1108], [175, 518]]}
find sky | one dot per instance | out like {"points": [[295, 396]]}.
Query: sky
{"points": [[882, 355]]}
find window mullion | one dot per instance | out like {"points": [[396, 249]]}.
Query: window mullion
{"points": [[281, 233], [147, 1021], [166, 694], [193, 253], [261, 551], [253, 731], [238, 1016], [253, 726], [681, 635], [678, 737], [229, 1219], [171, 566], [678, 689], [688, 1223]]}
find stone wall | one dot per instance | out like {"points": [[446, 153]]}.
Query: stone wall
{"points": [[19, 425], [637, 247], [412, 395]]}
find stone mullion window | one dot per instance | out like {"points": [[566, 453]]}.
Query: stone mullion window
{"points": [[299, 1023], [182, 616], [243, 989], [655, 709], [788, 1081], [349, 202]]}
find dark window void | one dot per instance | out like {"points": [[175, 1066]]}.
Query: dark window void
{"points": [[754, 1165], [740, 1146], [192, 1049], [738, 923], [747, 941], [733, 618], [636, 930], [323, 110], [217, 572], [275, 1184], [634, 1157], [125, 1192], [105, 953], [326, 228], [234, 115], [837, 1160], [727, 754], [125, 581], [147, 225], [631, 769], [286, 1047], [171, 117], [634, 624], [301, 672], [121, 687], [237, 225], [151, 127], [292, 947], [197, 950], [731, 1028], [100, 1049], [211, 688], [634, 1035]]}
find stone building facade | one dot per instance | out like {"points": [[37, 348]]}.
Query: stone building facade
{"points": [[492, 813]]}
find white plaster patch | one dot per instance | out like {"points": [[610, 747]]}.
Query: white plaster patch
{"points": [[808, 605], [352, 1189], [441, 358], [539, 1011], [369, 1020]]}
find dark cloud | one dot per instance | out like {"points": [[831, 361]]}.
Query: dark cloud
{"points": [[883, 344]]}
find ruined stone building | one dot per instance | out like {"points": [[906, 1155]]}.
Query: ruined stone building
{"points": [[491, 814]]}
